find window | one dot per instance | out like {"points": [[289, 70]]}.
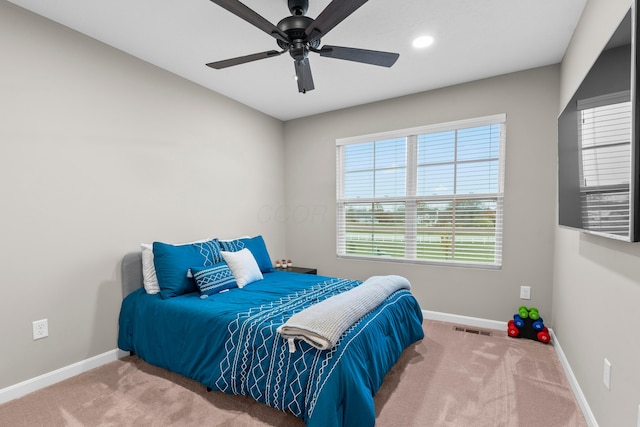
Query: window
{"points": [[605, 146], [432, 194]]}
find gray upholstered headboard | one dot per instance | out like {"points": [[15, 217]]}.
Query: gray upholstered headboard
{"points": [[131, 272]]}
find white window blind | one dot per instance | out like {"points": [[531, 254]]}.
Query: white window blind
{"points": [[605, 143], [432, 194]]}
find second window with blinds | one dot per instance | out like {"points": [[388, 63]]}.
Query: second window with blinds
{"points": [[432, 194]]}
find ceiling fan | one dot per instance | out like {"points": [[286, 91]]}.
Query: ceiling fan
{"points": [[299, 35]]}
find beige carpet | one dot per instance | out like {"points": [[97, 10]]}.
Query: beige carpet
{"points": [[450, 378]]}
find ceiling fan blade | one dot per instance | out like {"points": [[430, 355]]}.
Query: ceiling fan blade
{"points": [[373, 57], [249, 15], [332, 15], [303, 75], [243, 59]]}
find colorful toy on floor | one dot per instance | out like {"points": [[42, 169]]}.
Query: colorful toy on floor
{"points": [[527, 323]]}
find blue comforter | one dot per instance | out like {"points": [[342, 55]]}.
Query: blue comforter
{"points": [[229, 342]]}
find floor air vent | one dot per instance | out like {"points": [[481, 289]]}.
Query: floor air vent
{"points": [[471, 331]]}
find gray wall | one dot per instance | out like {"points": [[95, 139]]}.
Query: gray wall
{"points": [[100, 151], [596, 291], [530, 100]]}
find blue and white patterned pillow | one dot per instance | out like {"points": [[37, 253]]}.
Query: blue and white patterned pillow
{"points": [[211, 280], [231, 245], [172, 264]]}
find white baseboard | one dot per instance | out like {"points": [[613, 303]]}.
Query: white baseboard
{"points": [[18, 390], [465, 320], [573, 382], [494, 324]]}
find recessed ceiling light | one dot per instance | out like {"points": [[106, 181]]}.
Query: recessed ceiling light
{"points": [[423, 41]]}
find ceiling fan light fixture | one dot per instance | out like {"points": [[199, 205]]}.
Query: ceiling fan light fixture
{"points": [[422, 42]]}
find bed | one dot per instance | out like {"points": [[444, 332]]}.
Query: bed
{"points": [[229, 342]]}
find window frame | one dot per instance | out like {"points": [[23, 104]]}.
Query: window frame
{"points": [[411, 199]]}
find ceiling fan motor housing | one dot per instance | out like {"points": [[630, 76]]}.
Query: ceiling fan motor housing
{"points": [[295, 26]]}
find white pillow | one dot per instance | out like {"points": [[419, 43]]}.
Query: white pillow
{"points": [[149, 279], [243, 266]]}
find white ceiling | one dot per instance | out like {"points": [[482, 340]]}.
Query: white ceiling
{"points": [[474, 39]]}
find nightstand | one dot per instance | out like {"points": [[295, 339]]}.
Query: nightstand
{"points": [[302, 270]]}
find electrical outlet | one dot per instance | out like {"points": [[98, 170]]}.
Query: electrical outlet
{"points": [[40, 329], [525, 292], [606, 378]]}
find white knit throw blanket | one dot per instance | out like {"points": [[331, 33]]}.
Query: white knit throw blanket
{"points": [[322, 324]]}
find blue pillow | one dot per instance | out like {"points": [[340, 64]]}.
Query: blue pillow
{"points": [[257, 247], [173, 262], [211, 280], [259, 250]]}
